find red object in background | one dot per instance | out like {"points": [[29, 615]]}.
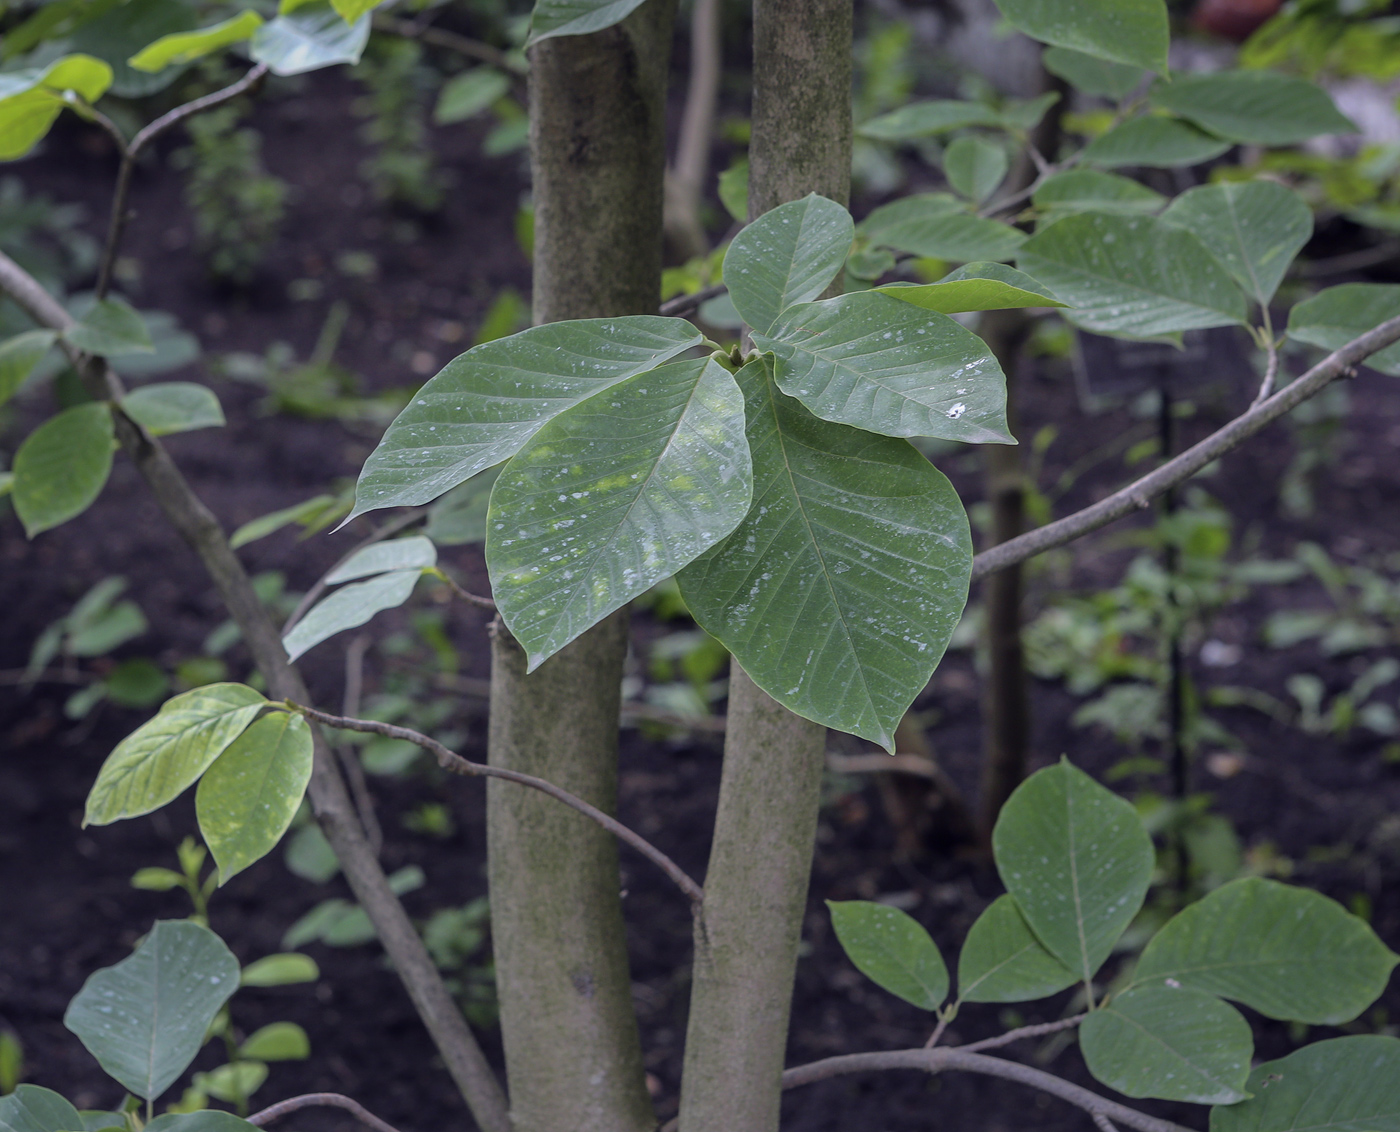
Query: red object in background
{"points": [[1235, 20]]}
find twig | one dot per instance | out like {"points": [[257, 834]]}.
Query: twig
{"points": [[683, 304], [1350, 261], [314, 1100], [439, 37], [1103, 1122], [349, 761], [379, 534], [1036, 1031], [451, 761], [470, 598], [916, 765], [943, 1019], [1266, 387]]}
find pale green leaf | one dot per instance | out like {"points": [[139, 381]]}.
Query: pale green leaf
{"points": [[1077, 861], [173, 406], [1172, 1043], [1253, 107], [278, 1041], [32, 98], [310, 856], [1001, 961], [1336, 316], [975, 167], [145, 1018], [974, 287], [1135, 32], [787, 256], [33, 1109], [1091, 190], [936, 224], [1154, 141], [468, 94], [576, 17], [228, 1083], [890, 367], [18, 357], [159, 760], [1092, 75], [352, 10], [284, 969], [412, 553], [265, 525], [1025, 114], [349, 607], [154, 879], [613, 496], [892, 950], [734, 190], [185, 47], [840, 589], [459, 517], [111, 328], [1287, 952], [205, 1120], [925, 119], [62, 466], [309, 38]]}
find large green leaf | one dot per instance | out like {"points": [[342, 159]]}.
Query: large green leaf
{"points": [[839, 590], [1287, 952], [18, 357], [1001, 961], [936, 224], [248, 797], [62, 466], [1132, 275], [787, 256], [145, 1018], [1090, 74], [871, 361], [1077, 860], [613, 496], [1334, 317], [309, 38], [975, 167], [413, 553], [1154, 141], [468, 94], [33, 1109], [173, 406], [1253, 107], [892, 950], [487, 403], [117, 35], [158, 760], [925, 119], [1341, 1085], [1254, 228], [576, 17], [185, 47], [1173, 1043], [1135, 32], [112, 328], [31, 99], [349, 607], [974, 287], [1092, 190]]}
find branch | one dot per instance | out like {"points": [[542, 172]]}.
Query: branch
{"points": [[451, 761], [1037, 1031], [467, 596], [314, 1100], [1139, 494], [684, 304], [438, 37]]}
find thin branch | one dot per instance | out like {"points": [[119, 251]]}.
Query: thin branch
{"points": [[438, 37], [379, 534], [451, 761], [1139, 494], [1266, 387], [470, 598], [1037, 1031], [882, 763], [189, 109], [1350, 261], [943, 1019], [684, 304], [320, 1100], [1103, 1122], [349, 760]]}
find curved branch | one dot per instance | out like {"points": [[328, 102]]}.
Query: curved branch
{"points": [[320, 1100], [440, 37], [683, 304]]}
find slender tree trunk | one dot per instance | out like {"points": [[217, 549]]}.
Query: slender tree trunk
{"points": [[761, 860], [573, 1057]]}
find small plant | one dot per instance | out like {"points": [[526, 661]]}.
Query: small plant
{"points": [[403, 169]]}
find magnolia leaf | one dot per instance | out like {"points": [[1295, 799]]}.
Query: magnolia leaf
{"points": [[1154, 141], [1334, 317], [309, 38], [1077, 861], [925, 119], [348, 608], [173, 406], [62, 466], [1026, 114], [1253, 107], [1092, 75], [145, 1018], [459, 517], [867, 360], [840, 589], [1090, 190], [891, 949], [285, 969], [205, 1120], [265, 525], [975, 167], [787, 256], [111, 327], [19, 356], [1172, 1043], [613, 496], [936, 224], [974, 287], [413, 553], [31, 99], [33, 1109], [186, 47], [1135, 32], [468, 94], [576, 17], [1002, 961], [278, 1041]]}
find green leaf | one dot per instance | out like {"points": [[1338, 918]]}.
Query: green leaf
{"points": [[1092, 75], [840, 589], [925, 119], [975, 167], [1340, 1085], [935, 224], [229, 1082], [352, 10], [1027, 113], [285, 969], [18, 357], [1134, 32], [1175, 1044], [974, 287], [249, 795], [787, 256], [1089, 190], [613, 496], [62, 466], [145, 1018], [892, 950], [468, 94], [279, 1041], [311, 37], [734, 190], [136, 683], [1154, 141], [161, 758], [156, 879], [1077, 861], [1254, 228], [110, 328], [1253, 107], [115, 36], [1132, 275], [31, 99], [348, 608], [484, 405], [205, 1120], [265, 525], [173, 406], [33, 1109], [1287, 952], [1334, 317], [1002, 961], [413, 553], [186, 47], [870, 361], [310, 856], [576, 17], [459, 517]]}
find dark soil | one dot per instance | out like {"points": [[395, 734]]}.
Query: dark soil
{"points": [[1325, 804]]}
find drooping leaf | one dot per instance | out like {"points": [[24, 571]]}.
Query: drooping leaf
{"points": [[576, 17], [1334, 317], [1253, 107], [18, 357], [468, 94], [173, 406], [186, 47], [1001, 961], [613, 496], [1287, 952], [1090, 74], [1091, 190], [1132, 275], [265, 525], [936, 224], [891, 949], [839, 590], [249, 795], [62, 466], [309, 38], [348, 608], [229, 1082], [885, 366], [111, 328], [1254, 228], [412, 553], [1077, 861], [118, 34], [925, 119], [459, 517], [975, 287], [161, 758], [33, 1109], [788, 255], [278, 1041], [975, 167], [285, 969], [145, 1018], [1172, 1043], [487, 403], [31, 99], [1154, 141], [1134, 32], [1340, 1085]]}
